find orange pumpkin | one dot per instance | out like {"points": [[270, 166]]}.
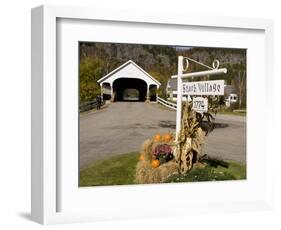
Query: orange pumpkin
{"points": [[155, 163], [141, 157], [157, 137], [167, 137]]}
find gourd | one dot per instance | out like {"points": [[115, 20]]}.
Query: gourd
{"points": [[155, 163], [167, 137], [141, 157], [157, 138]]}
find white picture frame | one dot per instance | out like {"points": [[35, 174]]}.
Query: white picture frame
{"points": [[48, 178]]}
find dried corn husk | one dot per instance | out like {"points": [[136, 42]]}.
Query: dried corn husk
{"points": [[191, 138]]}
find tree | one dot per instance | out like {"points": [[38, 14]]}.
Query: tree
{"points": [[240, 82], [91, 70]]}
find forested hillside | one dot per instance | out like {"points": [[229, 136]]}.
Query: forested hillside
{"points": [[98, 59]]}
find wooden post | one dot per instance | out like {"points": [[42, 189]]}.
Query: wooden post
{"points": [[147, 94], [101, 91], [157, 88], [179, 96], [111, 92]]}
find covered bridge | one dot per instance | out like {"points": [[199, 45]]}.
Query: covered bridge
{"points": [[129, 82]]}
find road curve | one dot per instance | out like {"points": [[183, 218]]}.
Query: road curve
{"points": [[122, 127]]}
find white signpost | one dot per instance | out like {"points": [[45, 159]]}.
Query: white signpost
{"points": [[196, 88]]}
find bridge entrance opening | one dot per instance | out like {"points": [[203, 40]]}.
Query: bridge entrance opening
{"points": [[131, 95], [129, 89], [129, 82]]}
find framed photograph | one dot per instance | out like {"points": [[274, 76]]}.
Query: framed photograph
{"points": [[140, 114]]}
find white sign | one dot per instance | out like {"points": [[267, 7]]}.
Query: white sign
{"points": [[200, 104], [215, 87]]}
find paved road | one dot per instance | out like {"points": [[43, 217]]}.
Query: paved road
{"points": [[228, 139], [122, 127]]}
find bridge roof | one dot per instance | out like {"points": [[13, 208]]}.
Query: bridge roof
{"points": [[137, 68]]}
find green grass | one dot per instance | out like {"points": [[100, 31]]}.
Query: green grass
{"points": [[232, 113], [236, 171], [120, 170], [222, 111], [117, 170]]}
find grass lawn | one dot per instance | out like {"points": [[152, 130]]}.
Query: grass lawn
{"points": [[120, 170], [222, 111], [243, 114], [115, 170], [235, 171]]}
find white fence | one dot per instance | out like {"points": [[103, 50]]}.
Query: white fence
{"points": [[166, 103]]}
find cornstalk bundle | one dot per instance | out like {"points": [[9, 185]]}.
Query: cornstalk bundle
{"points": [[186, 151], [189, 145]]}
